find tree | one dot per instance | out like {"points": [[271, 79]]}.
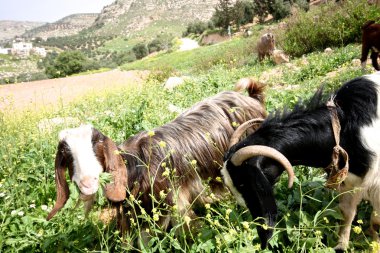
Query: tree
{"points": [[67, 63], [277, 8], [223, 15], [262, 8], [140, 50], [243, 12]]}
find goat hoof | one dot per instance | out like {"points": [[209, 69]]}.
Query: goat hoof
{"points": [[339, 249]]}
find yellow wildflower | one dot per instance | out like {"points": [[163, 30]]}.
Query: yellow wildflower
{"points": [[245, 225], [187, 219], [162, 144], [357, 229]]}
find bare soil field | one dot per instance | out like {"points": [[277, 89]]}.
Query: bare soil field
{"points": [[32, 95]]}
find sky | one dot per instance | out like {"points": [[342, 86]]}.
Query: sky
{"points": [[47, 10]]}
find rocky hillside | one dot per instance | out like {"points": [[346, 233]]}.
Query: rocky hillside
{"points": [[66, 26], [124, 16], [10, 29]]}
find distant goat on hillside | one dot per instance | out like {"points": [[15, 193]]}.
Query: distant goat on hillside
{"points": [[265, 46], [370, 41]]}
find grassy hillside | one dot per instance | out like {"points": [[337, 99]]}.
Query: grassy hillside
{"points": [[27, 188]]}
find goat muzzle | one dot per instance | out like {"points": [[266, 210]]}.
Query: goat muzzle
{"points": [[258, 150]]}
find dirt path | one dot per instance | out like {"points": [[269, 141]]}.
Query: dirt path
{"points": [[32, 95]]}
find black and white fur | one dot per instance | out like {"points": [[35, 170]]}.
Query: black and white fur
{"points": [[305, 137]]}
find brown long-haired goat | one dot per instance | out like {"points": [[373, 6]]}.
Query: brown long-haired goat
{"points": [[190, 149]]}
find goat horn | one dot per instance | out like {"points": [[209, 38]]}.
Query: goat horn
{"points": [[242, 128], [257, 150]]}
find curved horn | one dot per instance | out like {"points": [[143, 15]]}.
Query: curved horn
{"points": [[61, 184], [241, 129], [257, 150]]}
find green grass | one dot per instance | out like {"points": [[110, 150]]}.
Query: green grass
{"points": [[309, 216], [146, 35], [236, 52]]}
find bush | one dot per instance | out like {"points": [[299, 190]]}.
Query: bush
{"points": [[140, 50], [331, 25], [224, 14], [197, 27], [67, 63], [156, 45], [279, 9], [243, 12]]}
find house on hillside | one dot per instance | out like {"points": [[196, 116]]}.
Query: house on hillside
{"points": [[41, 51], [23, 49]]}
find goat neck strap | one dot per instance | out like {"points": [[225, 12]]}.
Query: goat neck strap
{"points": [[334, 120], [336, 175]]}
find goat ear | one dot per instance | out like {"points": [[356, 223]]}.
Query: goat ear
{"points": [[114, 164], [60, 183], [261, 202]]}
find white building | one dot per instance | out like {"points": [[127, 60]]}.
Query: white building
{"points": [[21, 48], [39, 51]]}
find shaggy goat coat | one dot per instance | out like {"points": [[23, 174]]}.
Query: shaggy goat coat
{"points": [[305, 137]]}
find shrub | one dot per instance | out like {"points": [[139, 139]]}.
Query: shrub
{"points": [[279, 9], [156, 45], [331, 25], [140, 50], [197, 27], [223, 14], [243, 12], [67, 63]]}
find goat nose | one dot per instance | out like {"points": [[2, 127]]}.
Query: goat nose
{"points": [[88, 181]]}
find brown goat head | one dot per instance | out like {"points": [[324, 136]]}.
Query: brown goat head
{"points": [[87, 153]]}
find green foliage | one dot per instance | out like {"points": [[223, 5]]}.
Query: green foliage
{"points": [[331, 25], [243, 12], [227, 14], [140, 50], [223, 14], [67, 63], [232, 53], [197, 27], [279, 9], [262, 8]]}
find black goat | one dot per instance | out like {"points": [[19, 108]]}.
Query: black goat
{"points": [[305, 137]]}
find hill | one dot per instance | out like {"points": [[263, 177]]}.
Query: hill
{"points": [[124, 17], [66, 26], [9, 29]]}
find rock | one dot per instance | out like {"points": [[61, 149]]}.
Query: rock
{"points": [[279, 56], [187, 44], [173, 82], [173, 108], [328, 50]]}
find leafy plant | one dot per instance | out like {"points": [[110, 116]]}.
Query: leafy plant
{"points": [[331, 25]]}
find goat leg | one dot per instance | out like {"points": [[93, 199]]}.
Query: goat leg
{"points": [[347, 204], [374, 226], [374, 56], [365, 52]]}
